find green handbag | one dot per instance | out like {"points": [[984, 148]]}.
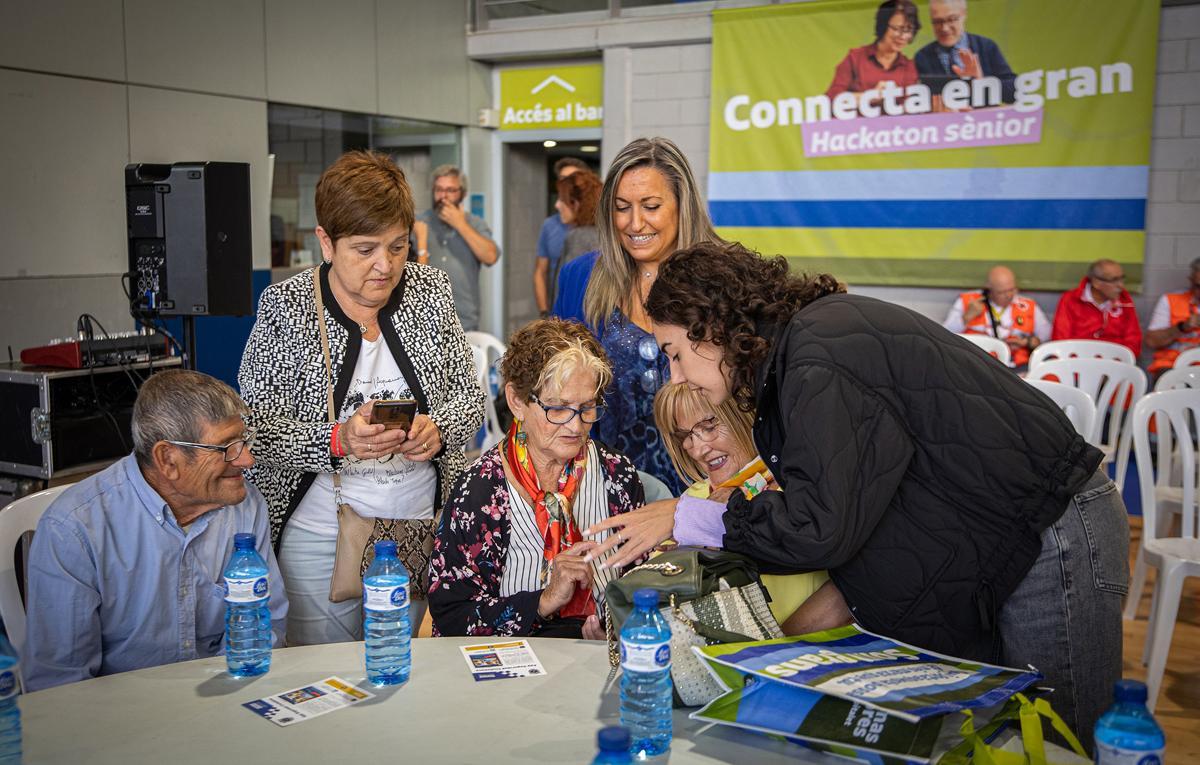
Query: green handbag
{"points": [[708, 597]]}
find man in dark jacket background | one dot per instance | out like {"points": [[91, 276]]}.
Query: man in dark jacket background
{"points": [[957, 54]]}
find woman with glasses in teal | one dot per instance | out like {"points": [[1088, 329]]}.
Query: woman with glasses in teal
{"points": [[882, 64], [509, 554]]}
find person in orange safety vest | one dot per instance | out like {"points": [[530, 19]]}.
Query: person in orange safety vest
{"points": [[1175, 324], [1016, 320]]}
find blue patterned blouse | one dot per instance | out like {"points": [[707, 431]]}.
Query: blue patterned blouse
{"points": [[639, 369]]}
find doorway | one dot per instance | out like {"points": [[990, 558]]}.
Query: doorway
{"points": [[529, 196]]}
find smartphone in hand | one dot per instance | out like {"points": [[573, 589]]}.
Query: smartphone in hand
{"points": [[394, 414]]}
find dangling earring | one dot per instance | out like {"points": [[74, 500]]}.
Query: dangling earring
{"points": [[521, 437]]}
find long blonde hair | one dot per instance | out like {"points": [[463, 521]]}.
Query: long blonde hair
{"points": [[615, 273], [676, 401]]}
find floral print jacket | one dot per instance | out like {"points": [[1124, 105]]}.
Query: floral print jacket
{"points": [[472, 543]]}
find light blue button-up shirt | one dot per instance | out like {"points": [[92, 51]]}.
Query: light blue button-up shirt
{"points": [[115, 584]]}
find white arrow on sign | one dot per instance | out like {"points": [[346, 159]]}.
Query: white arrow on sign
{"points": [[553, 79]]}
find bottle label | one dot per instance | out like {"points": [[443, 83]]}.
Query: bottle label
{"points": [[246, 590], [1107, 754], [645, 657], [389, 598], [8, 683]]}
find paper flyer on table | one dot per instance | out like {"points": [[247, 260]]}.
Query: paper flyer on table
{"points": [[501, 661], [308, 701]]}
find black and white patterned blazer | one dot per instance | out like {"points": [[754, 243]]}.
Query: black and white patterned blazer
{"points": [[282, 379]]}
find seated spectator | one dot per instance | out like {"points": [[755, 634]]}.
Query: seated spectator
{"points": [[126, 566], [1175, 324], [1099, 309], [1016, 320], [712, 447], [508, 558]]}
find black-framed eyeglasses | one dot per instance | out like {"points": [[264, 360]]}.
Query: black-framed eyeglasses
{"points": [[558, 414], [948, 21], [230, 451], [1110, 279], [705, 430]]}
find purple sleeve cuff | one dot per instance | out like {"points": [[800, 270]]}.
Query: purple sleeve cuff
{"points": [[698, 522]]}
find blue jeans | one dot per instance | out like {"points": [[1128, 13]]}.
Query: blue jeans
{"points": [[306, 563], [1065, 616]]}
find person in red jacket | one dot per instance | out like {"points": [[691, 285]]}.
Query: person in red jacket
{"points": [[1099, 309]]}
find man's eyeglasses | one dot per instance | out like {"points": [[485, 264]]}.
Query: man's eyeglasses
{"points": [[906, 31], [230, 451], [705, 430], [949, 21], [1110, 279], [560, 415]]}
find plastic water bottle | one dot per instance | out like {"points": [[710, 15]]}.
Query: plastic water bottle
{"points": [[10, 715], [386, 625], [613, 743], [247, 617], [1127, 733], [646, 677]]}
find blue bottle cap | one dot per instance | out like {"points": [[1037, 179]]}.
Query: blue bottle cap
{"points": [[646, 598], [614, 738], [243, 541], [385, 548], [1131, 691]]}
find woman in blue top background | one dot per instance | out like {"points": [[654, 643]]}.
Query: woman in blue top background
{"points": [[649, 208]]}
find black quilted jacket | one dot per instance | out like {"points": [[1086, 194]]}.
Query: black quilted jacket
{"points": [[915, 467]]}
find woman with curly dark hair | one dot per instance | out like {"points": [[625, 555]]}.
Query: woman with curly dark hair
{"points": [[954, 505]]}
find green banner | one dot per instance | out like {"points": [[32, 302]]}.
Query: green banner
{"points": [[545, 97], [922, 147]]}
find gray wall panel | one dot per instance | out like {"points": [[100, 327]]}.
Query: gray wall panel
{"points": [[211, 45], [79, 37], [423, 66], [323, 54], [62, 158]]}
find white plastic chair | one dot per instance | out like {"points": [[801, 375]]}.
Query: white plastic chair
{"points": [[1178, 378], [1110, 384], [1079, 407], [1168, 492], [1176, 414], [992, 345], [486, 349], [17, 518], [1086, 349], [1187, 358]]}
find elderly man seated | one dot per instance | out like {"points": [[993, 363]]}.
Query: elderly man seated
{"points": [[1016, 320], [126, 566]]}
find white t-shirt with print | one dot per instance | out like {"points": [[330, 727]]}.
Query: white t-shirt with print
{"points": [[389, 488]]}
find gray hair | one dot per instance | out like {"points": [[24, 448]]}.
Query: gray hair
{"points": [[443, 171], [1093, 271], [1195, 265], [176, 405]]}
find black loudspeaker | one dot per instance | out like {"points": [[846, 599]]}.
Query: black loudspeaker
{"points": [[189, 238]]}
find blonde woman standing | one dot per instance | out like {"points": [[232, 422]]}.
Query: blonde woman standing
{"points": [[649, 208]]}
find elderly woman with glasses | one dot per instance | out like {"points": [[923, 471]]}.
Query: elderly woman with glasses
{"points": [[713, 448], [881, 64], [509, 554]]}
